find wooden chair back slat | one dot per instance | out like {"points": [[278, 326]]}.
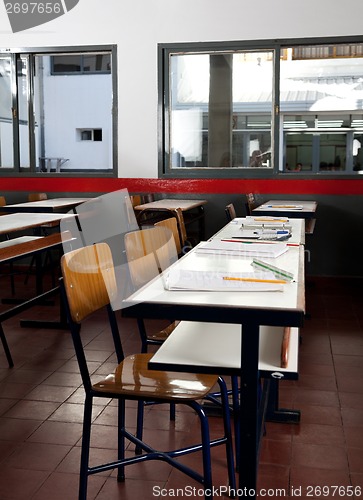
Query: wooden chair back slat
{"points": [[89, 279]]}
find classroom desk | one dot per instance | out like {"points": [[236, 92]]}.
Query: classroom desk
{"points": [[44, 206], [14, 222], [248, 309], [193, 210], [234, 228], [286, 208]]}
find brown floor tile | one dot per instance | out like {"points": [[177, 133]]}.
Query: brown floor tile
{"points": [[319, 456], [41, 412]]}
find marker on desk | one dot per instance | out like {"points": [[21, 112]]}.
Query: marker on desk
{"points": [[238, 238], [253, 280]]}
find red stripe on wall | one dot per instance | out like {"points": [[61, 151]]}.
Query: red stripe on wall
{"points": [[192, 186]]}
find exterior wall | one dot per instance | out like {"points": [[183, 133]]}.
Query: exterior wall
{"points": [[137, 26]]}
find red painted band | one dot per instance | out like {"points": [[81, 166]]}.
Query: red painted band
{"points": [[186, 186]]}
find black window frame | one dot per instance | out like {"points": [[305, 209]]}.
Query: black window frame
{"points": [[31, 52], [277, 45]]}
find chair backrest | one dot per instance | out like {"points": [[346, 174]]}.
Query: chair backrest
{"points": [[149, 251], [88, 279], [148, 198], [136, 200], [2, 204], [230, 212], [37, 196], [89, 285], [251, 203], [171, 224], [181, 225]]}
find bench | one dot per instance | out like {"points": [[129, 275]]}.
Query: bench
{"points": [[22, 247]]}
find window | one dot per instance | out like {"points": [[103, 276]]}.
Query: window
{"points": [[58, 111], [261, 109]]}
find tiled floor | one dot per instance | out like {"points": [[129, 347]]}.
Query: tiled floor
{"points": [[41, 412]]}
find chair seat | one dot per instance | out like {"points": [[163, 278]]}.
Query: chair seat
{"points": [[162, 335], [133, 379]]}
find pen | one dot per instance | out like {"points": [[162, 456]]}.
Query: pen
{"points": [[238, 237], [281, 206], [253, 280]]}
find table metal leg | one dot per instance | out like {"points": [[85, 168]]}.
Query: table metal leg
{"points": [[249, 417]]}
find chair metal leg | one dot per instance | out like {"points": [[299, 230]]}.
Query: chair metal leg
{"points": [[228, 432], [121, 439], [86, 438], [207, 461], [6, 347], [139, 424]]}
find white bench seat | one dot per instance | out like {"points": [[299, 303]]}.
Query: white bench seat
{"points": [[216, 348]]}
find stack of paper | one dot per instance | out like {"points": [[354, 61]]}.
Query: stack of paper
{"points": [[182, 279], [243, 248]]}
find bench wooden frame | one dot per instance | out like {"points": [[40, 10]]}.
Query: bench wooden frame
{"points": [[22, 247]]}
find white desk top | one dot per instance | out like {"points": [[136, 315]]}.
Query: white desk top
{"points": [[290, 208], [216, 348], [290, 299], [48, 205], [171, 204], [21, 221], [233, 229]]}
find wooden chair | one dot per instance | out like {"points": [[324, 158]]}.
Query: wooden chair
{"points": [[251, 203], [89, 285], [142, 253], [2, 204], [230, 212], [136, 200], [172, 225]]}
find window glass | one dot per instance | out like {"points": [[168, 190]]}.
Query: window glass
{"points": [[60, 105], [47, 118], [6, 115], [251, 109], [220, 114]]}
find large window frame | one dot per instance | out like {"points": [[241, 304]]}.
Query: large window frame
{"points": [[166, 165], [27, 157]]}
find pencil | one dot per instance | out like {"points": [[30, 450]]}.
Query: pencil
{"points": [[252, 280]]}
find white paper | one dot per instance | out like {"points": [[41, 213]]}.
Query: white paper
{"points": [[183, 279]]}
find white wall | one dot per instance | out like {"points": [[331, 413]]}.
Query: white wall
{"points": [[137, 26]]}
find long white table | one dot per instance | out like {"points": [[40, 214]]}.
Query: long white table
{"points": [[14, 222], [287, 208], [250, 310], [49, 205]]}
